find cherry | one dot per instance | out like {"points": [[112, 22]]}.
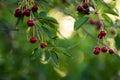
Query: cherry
{"points": [[112, 32], [26, 12], [97, 47], [86, 11], [98, 25], [30, 23], [85, 5], [104, 49], [35, 8], [111, 51], [96, 50], [18, 12], [92, 22], [79, 9], [101, 34], [33, 39], [43, 44]]}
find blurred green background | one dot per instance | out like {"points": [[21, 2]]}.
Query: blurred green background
{"points": [[16, 50]]}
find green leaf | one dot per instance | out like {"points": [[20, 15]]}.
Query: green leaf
{"points": [[107, 18], [62, 50], [35, 14], [80, 22], [36, 53], [54, 58], [110, 11], [47, 55], [51, 19], [42, 14], [112, 4], [29, 32], [117, 41], [19, 21], [49, 31]]}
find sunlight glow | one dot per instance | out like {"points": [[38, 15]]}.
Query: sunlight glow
{"points": [[66, 23], [66, 27], [61, 73]]}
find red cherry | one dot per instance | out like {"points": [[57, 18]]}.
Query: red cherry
{"points": [[35, 8], [79, 9], [18, 13], [85, 5], [100, 36], [111, 51], [33, 39], [97, 47], [26, 12], [30, 23], [104, 49], [103, 33], [96, 50], [43, 44]]}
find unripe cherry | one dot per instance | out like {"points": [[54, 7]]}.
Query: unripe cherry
{"points": [[26, 12], [43, 44], [33, 39], [104, 49], [30, 23]]}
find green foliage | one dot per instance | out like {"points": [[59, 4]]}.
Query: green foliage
{"points": [[111, 12], [54, 58], [79, 22], [63, 59], [117, 41], [42, 14], [62, 50], [107, 18]]}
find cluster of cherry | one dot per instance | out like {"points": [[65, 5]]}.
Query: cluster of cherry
{"points": [[104, 49], [27, 12], [84, 8]]}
